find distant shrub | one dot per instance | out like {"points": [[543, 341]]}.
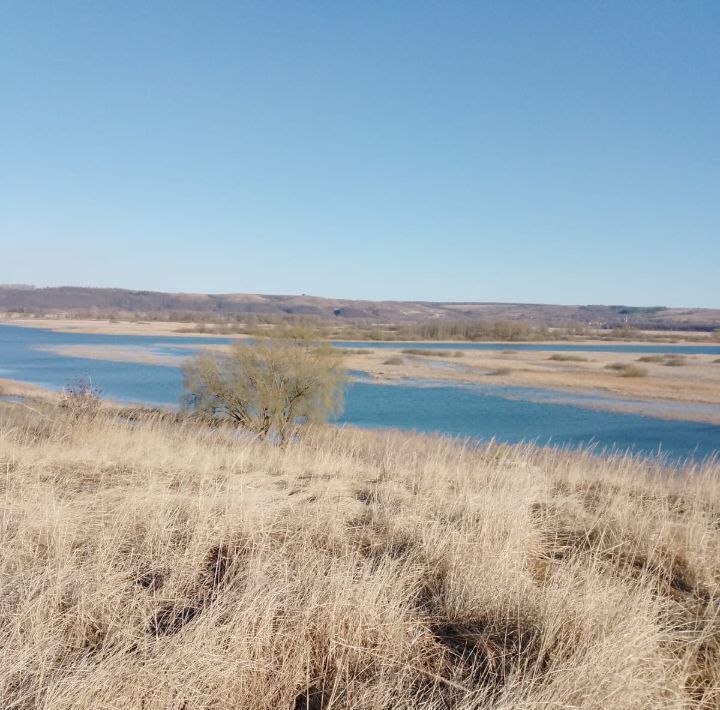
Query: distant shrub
{"points": [[624, 369], [508, 352], [717, 360], [395, 360], [358, 351], [429, 352], [500, 371], [652, 358], [676, 362], [415, 351], [564, 357], [634, 371], [81, 398]]}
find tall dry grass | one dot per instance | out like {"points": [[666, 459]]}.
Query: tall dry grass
{"points": [[157, 564]]}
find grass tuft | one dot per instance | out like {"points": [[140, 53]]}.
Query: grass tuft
{"points": [[624, 369], [394, 360], [431, 352], [567, 357]]}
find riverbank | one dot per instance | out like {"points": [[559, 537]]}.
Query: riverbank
{"points": [[15, 389], [349, 568], [689, 379], [113, 327]]}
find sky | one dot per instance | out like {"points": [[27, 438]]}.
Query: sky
{"points": [[555, 152]]}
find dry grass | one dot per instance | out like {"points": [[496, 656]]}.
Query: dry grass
{"points": [[625, 369], [394, 360], [500, 372], [566, 357], [657, 359], [432, 352], [158, 564], [669, 360]]}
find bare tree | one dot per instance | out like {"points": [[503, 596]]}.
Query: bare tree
{"points": [[268, 386]]}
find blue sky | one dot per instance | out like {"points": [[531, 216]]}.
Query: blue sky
{"points": [[563, 152]]}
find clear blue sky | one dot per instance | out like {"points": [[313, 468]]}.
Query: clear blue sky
{"points": [[562, 152]]}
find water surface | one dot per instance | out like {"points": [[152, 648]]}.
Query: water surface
{"points": [[510, 414]]}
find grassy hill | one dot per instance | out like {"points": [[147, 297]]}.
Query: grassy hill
{"points": [[89, 302], [160, 564]]}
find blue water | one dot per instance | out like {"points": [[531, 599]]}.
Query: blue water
{"points": [[469, 412], [510, 414]]}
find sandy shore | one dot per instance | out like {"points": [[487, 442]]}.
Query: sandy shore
{"points": [[114, 353], [107, 327], [695, 383], [698, 381]]}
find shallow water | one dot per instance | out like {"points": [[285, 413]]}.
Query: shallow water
{"points": [[470, 411], [510, 414]]}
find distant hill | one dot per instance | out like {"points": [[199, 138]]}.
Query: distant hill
{"points": [[102, 302]]}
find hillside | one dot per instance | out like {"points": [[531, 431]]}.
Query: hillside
{"points": [[156, 564], [86, 302]]}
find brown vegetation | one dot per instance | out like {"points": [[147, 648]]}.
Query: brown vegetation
{"points": [[567, 357], [243, 314], [625, 369], [268, 386], [394, 360], [159, 564], [80, 398], [432, 352]]}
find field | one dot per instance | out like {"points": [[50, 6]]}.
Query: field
{"points": [[151, 562]]}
